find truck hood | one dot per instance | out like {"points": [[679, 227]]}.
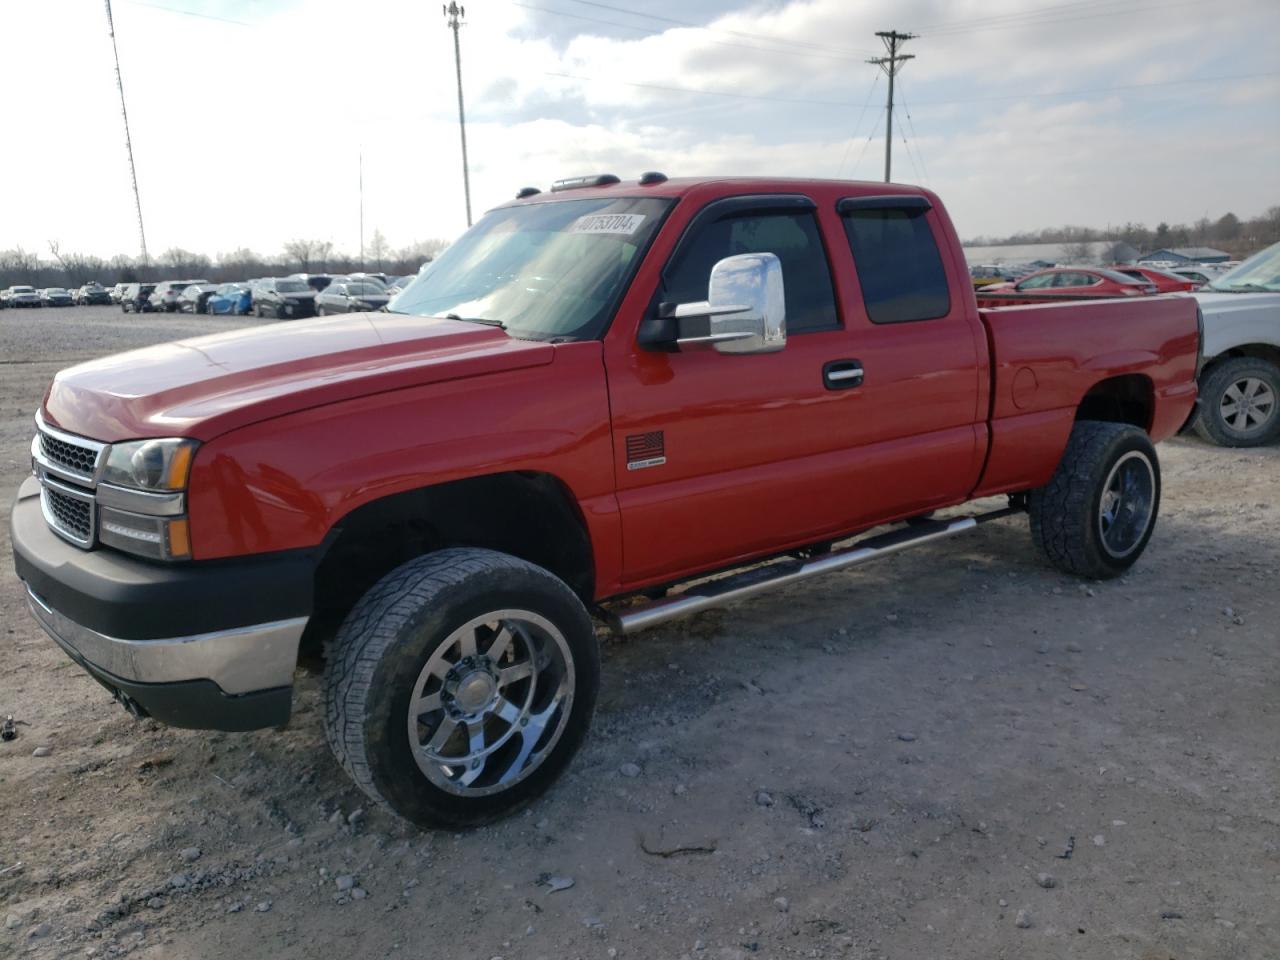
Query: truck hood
{"points": [[1235, 319], [205, 386]]}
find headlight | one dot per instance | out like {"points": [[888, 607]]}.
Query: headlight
{"points": [[158, 465], [142, 498]]}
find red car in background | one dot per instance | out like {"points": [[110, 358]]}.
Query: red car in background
{"points": [[1064, 283], [1165, 281]]}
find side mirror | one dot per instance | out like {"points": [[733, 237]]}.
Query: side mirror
{"points": [[744, 312]]}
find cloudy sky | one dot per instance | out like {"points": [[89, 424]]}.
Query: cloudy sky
{"points": [[249, 116]]}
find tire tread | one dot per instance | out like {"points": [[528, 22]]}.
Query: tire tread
{"points": [[1061, 511], [375, 625]]}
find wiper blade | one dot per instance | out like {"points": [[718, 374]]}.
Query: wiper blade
{"points": [[485, 320]]}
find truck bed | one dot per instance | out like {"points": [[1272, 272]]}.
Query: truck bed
{"points": [[1146, 348]]}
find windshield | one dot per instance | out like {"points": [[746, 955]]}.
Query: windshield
{"points": [[1259, 272], [54, 291], [292, 286], [365, 290], [544, 270]]}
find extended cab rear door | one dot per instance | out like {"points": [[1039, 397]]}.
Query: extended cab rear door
{"points": [[914, 328], [722, 457]]}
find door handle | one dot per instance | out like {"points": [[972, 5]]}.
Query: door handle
{"points": [[842, 374]]}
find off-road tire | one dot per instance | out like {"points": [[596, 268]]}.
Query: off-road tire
{"points": [[1065, 513], [382, 647], [1213, 427]]}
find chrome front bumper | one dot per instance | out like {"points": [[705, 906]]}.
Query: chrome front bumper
{"points": [[240, 661]]}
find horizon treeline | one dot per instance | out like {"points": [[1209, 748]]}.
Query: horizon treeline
{"points": [[1229, 233], [59, 269]]}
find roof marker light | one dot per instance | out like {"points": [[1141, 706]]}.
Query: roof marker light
{"points": [[575, 183]]}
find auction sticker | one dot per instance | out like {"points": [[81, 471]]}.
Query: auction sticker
{"points": [[623, 224]]}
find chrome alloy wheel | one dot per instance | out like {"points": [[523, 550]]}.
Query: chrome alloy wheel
{"points": [[1248, 404], [1127, 504], [491, 702]]}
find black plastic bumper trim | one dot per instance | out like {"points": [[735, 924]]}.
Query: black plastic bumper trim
{"points": [[120, 596]]}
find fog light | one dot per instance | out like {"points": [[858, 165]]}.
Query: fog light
{"points": [[160, 538]]}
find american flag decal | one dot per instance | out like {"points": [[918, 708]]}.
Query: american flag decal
{"points": [[645, 450]]}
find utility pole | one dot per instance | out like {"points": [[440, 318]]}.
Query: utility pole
{"points": [[890, 65], [128, 143], [454, 14]]}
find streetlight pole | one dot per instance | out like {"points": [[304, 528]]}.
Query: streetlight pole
{"points": [[454, 14], [128, 141]]}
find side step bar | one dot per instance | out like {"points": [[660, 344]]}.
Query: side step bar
{"points": [[726, 590]]}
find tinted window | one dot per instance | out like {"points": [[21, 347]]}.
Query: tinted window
{"points": [[898, 265], [792, 237], [1038, 282]]}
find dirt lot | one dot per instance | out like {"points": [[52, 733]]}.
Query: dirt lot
{"points": [[881, 764]]}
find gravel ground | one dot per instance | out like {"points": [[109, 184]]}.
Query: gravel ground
{"points": [[956, 753]]}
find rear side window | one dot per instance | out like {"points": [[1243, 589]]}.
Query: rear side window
{"points": [[792, 237], [898, 264]]}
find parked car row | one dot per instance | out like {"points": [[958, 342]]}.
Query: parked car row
{"points": [[280, 298], [25, 296], [299, 295]]}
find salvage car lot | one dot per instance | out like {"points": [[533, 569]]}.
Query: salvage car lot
{"points": [[877, 764]]}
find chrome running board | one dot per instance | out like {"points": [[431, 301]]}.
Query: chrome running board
{"points": [[740, 586]]}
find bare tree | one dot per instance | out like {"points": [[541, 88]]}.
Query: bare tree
{"points": [[323, 251], [1080, 252], [184, 263], [300, 252], [378, 248]]}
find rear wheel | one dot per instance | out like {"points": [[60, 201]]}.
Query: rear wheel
{"points": [[460, 686], [1095, 517], [1240, 403]]}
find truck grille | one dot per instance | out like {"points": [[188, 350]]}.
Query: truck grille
{"points": [[67, 467], [70, 456], [70, 515]]}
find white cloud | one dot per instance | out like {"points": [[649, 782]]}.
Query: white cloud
{"points": [[250, 135]]}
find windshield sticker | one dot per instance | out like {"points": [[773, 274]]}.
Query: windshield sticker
{"points": [[623, 224]]}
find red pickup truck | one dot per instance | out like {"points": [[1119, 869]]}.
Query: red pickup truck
{"points": [[600, 393]]}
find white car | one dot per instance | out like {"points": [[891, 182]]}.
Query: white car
{"points": [[21, 296], [1240, 379]]}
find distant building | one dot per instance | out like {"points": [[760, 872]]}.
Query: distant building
{"points": [[1185, 255], [1051, 254]]}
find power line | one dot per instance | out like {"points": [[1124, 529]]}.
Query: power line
{"points": [[1082, 91], [1034, 95], [654, 33], [128, 141], [933, 27], [891, 65], [858, 125], [188, 13], [670, 88], [732, 33], [862, 153], [911, 124], [1065, 16]]}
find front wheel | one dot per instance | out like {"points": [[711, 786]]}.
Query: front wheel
{"points": [[460, 686], [1240, 403], [1095, 516]]}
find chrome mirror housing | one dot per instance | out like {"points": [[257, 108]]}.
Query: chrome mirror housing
{"points": [[745, 311]]}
